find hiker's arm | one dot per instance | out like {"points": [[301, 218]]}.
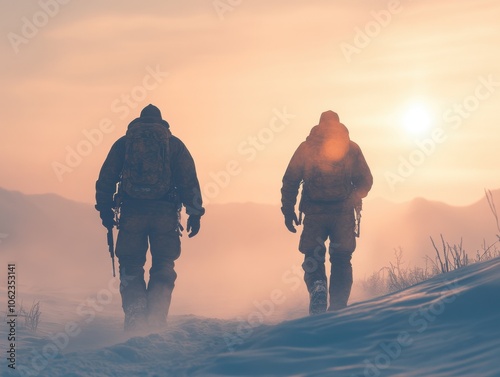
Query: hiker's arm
{"points": [[185, 178], [110, 175], [291, 182], [362, 178]]}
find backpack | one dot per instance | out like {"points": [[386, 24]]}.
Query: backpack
{"points": [[328, 181], [146, 170]]}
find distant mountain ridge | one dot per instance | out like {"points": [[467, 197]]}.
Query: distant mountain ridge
{"points": [[423, 219]]}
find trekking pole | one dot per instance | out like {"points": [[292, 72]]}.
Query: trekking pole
{"points": [[111, 246]]}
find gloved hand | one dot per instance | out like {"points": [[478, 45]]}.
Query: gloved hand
{"points": [[289, 220], [193, 225], [107, 217]]}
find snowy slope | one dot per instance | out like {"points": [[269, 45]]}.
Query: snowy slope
{"points": [[447, 326]]}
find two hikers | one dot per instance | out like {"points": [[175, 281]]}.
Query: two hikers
{"points": [[156, 175], [334, 177]]}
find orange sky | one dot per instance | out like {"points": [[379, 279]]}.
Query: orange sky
{"points": [[243, 84]]}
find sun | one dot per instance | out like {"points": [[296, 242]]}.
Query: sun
{"points": [[417, 118]]}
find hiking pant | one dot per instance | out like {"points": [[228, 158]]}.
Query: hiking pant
{"points": [[152, 223], [339, 228]]}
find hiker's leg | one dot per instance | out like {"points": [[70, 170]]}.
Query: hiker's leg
{"points": [[342, 245], [131, 248], [165, 249], [312, 245]]}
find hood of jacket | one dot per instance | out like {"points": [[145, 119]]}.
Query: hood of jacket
{"points": [[147, 119], [330, 138]]}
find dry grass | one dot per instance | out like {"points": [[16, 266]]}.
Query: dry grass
{"points": [[447, 257], [31, 316]]}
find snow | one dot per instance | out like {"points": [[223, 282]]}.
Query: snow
{"points": [[446, 326]]}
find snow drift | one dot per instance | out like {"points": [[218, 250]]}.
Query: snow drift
{"points": [[447, 326]]}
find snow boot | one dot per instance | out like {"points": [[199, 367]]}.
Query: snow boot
{"points": [[318, 298], [135, 317]]}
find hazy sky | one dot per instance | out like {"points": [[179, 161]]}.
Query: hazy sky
{"points": [[242, 82]]}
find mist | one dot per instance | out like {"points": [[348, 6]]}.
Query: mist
{"points": [[243, 261]]}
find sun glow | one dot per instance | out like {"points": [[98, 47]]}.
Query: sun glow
{"points": [[417, 118]]}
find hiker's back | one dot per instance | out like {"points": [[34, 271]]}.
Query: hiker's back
{"points": [[146, 170], [328, 180], [328, 163]]}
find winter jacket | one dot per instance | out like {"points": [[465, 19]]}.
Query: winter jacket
{"points": [[183, 175], [331, 167]]}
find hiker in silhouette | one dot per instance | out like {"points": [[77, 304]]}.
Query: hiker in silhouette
{"points": [[335, 178], [155, 175]]}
